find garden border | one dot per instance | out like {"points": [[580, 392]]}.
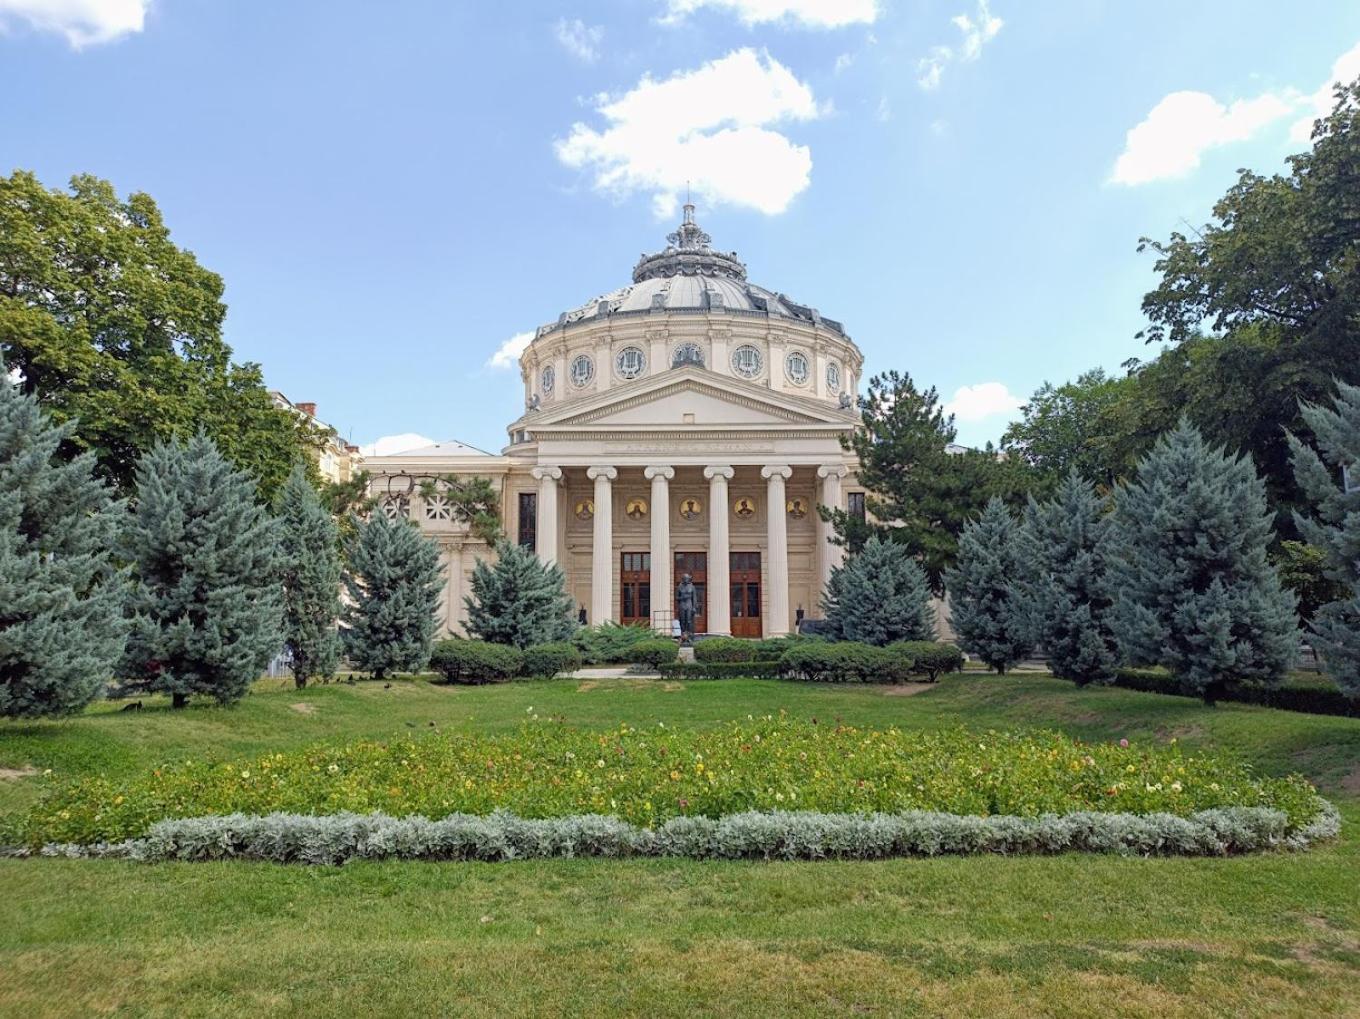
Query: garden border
{"points": [[781, 835]]}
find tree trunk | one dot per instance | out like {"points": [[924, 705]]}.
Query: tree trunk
{"points": [[179, 700]]}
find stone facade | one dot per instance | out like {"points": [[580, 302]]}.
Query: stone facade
{"points": [[691, 422]]}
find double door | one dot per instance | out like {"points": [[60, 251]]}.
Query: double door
{"points": [[636, 600]]}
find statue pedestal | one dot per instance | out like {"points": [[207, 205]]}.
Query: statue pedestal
{"points": [[686, 653]]}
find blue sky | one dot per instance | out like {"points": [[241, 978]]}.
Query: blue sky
{"points": [[392, 192]]}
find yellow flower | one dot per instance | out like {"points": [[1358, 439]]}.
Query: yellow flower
{"points": [[675, 776]]}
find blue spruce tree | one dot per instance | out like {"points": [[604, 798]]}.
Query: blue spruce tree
{"points": [[393, 580], [1194, 591], [1334, 488], [309, 540], [879, 595], [207, 598], [988, 604], [1066, 545], [518, 600], [61, 599]]}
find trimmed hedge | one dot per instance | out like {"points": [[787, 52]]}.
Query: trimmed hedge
{"points": [[1316, 696], [654, 653], [545, 661], [802, 835], [475, 661], [609, 643], [931, 658], [724, 649], [720, 670], [844, 662]]}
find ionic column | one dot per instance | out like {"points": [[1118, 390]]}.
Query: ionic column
{"points": [[662, 595], [719, 550], [829, 555], [777, 539], [602, 552], [548, 480]]}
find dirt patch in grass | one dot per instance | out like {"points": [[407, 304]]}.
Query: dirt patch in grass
{"points": [[304, 709], [14, 774], [623, 683], [1351, 781], [906, 689]]}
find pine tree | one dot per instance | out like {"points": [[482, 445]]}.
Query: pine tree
{"points": [[206, 600], [1066, 548], [1194, 591], [990, 611], [311, 580], [393, 580], [1336, 527], [518, 600], [879, 596], [61, 599]]}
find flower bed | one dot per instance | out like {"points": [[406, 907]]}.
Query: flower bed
{"points": [[648, 776]]}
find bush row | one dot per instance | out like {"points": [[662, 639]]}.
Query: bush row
{"points": [[847, 662], [478, 661], [1318, 696], [780, 835], [734, 649], [720, 670]]}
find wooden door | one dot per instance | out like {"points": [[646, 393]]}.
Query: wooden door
{"points": [[635, 587], [696, 565], [745, 581]]}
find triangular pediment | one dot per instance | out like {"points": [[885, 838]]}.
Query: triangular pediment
{"points": [[688, 396]]}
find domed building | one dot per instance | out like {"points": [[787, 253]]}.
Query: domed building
{"points": [[687, 423]]}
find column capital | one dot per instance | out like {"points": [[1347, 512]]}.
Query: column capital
{"points": [[658, 471], [602, 471], [832, 471], [723, 471], [771, 471], [545, 473]]}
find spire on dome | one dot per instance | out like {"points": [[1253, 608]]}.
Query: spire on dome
{"points": [[689, 253]]}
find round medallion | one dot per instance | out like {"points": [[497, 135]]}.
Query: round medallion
{"points": [[747, 361], [630, 362], [687, 353], [547, 379], [797, 508], [635, 509], [833, 378], [582, 371], [797, 369], [744, 508], [691, 509], [585, 509]]}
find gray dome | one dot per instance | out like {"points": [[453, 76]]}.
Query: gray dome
{"points": [[688, 276]]}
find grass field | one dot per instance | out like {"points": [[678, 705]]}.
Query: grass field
{"points": [[1074, 935]]}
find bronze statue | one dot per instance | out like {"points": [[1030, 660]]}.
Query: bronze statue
{"points": [[686, 600]]}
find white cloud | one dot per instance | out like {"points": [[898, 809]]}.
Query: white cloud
{"points": [[807, 13], [1184, 125], [982, 401], [390, 445], [582, 41], [507, 354], [82, 22], [1319, 104], [884, 112], [844, 62], [711, 128], [978, 28]]}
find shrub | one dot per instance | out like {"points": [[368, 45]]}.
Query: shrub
{"points": [[1316, 695], [771, 649], [930, 658], [475, 661], [648, 775], [844, 662], [547, 660], [720, 670], [518, 600], [724, 649], [654, 652], [880, 596], [609, 643]]}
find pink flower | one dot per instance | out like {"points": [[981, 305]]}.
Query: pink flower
{"points": [[1123, 743]]}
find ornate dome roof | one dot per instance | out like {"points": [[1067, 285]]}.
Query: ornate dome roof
{"points": [[688, 276]]}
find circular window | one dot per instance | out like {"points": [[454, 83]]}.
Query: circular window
{"points": [[630, 362], [687, 353], [747, 362], [582, 370], [547, 379], [833, 377], [796, 366]]}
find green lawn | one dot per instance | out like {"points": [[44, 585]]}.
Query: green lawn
{"points": [[1075, 935]]}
